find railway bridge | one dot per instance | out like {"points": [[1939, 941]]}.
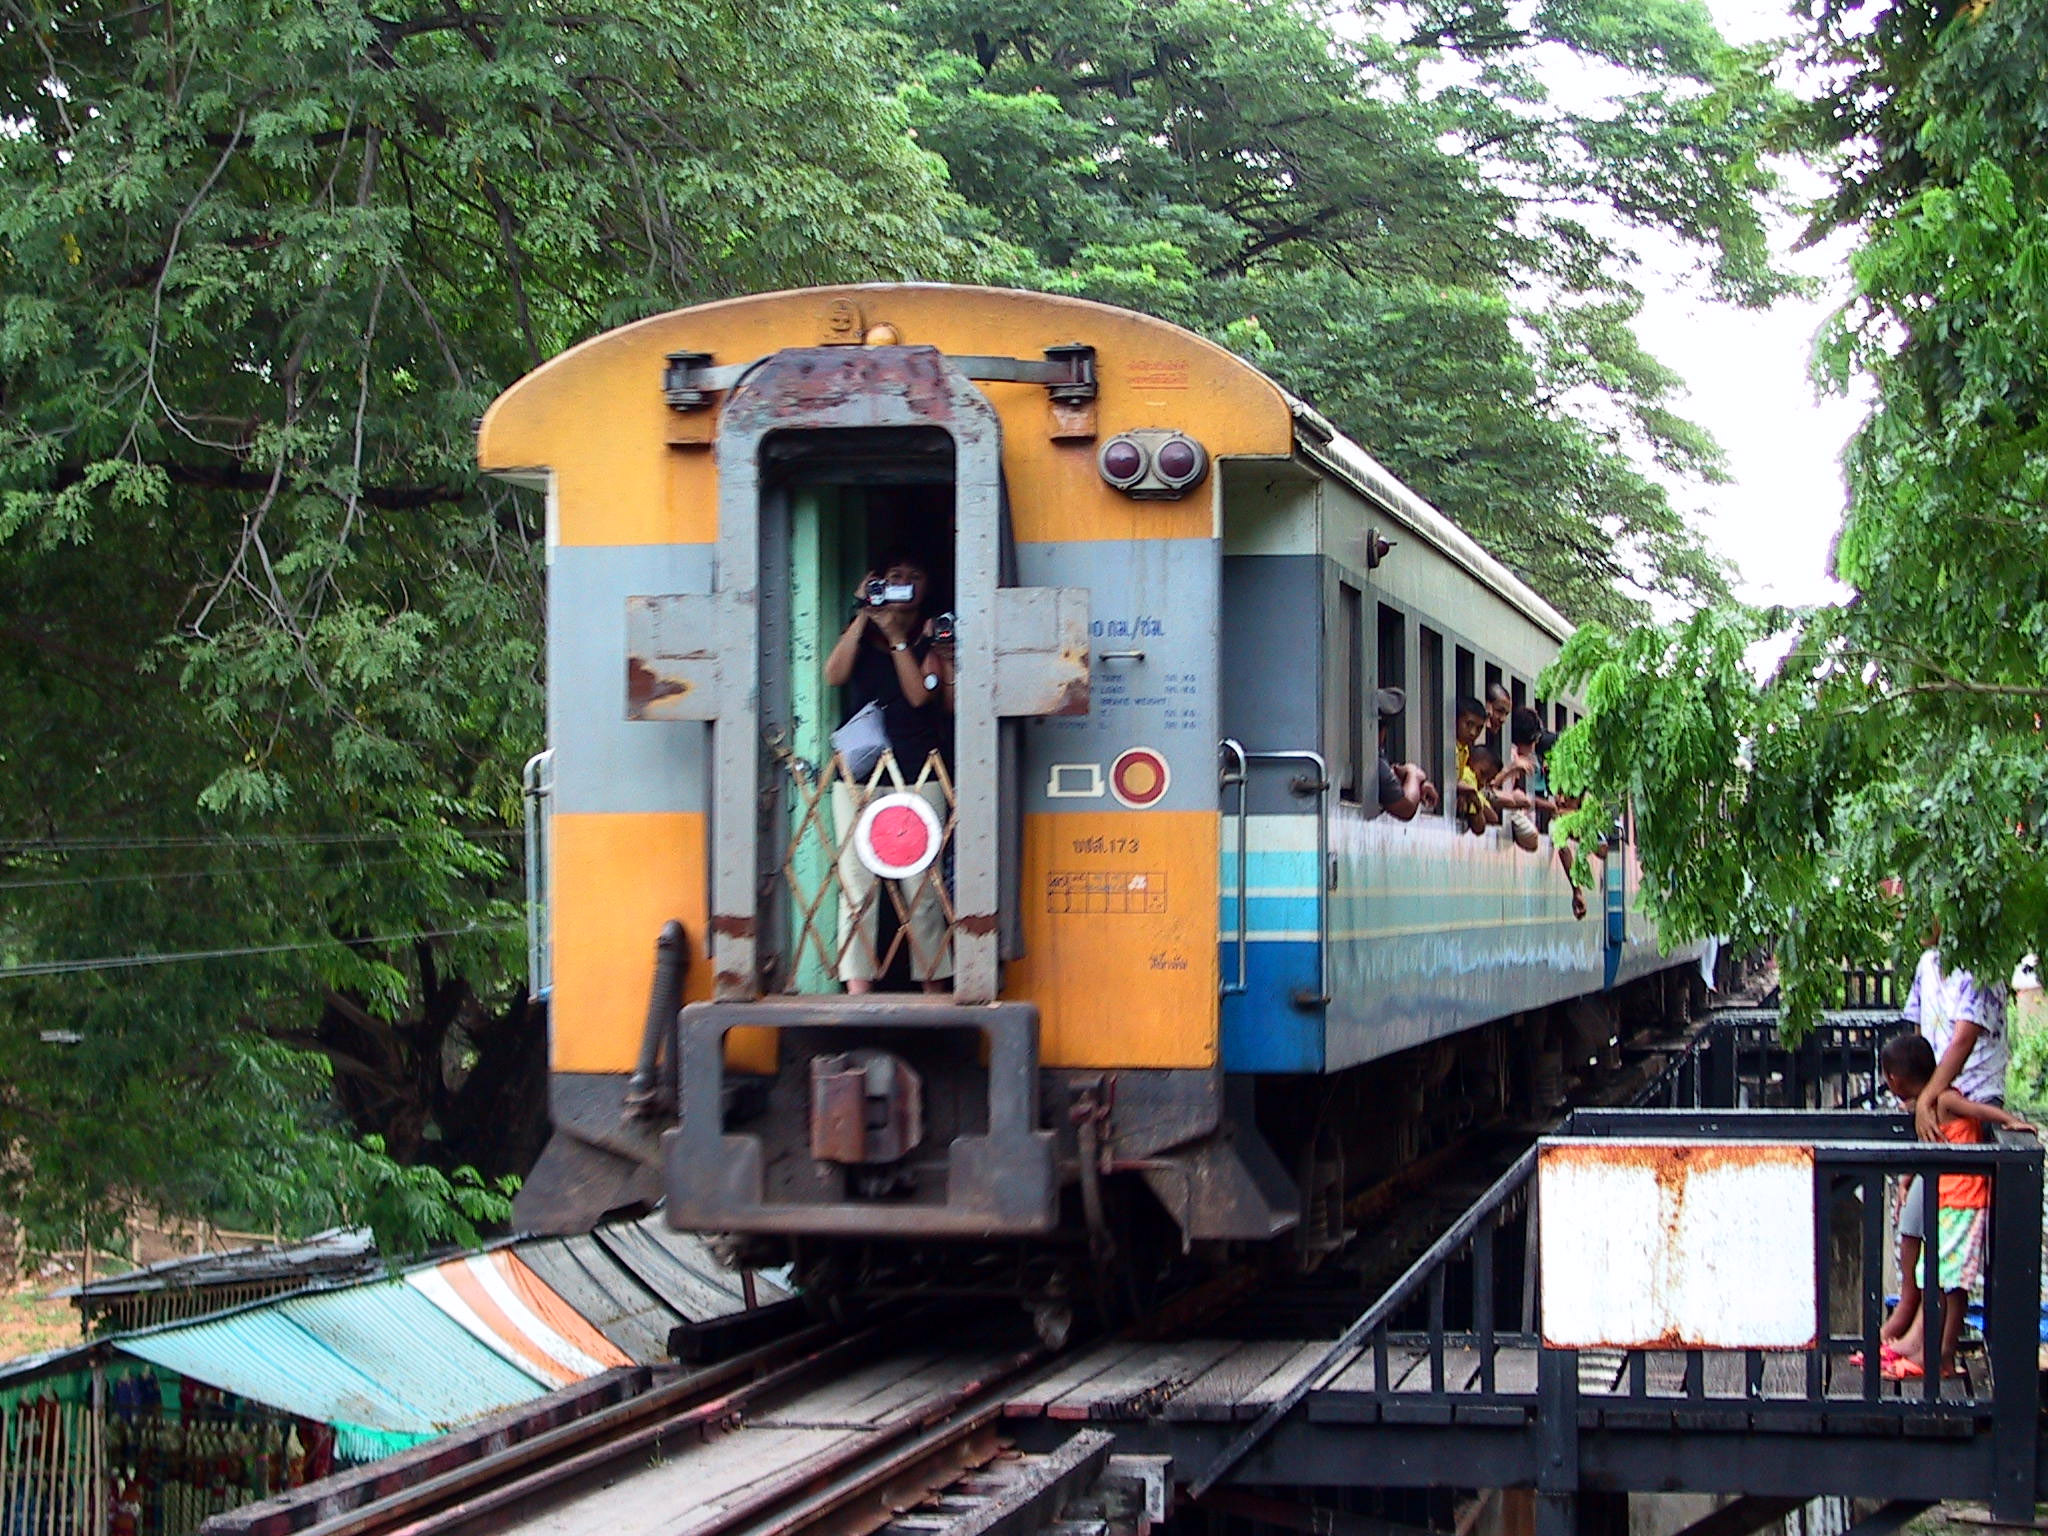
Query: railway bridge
{"points": [[1684, 1295]]}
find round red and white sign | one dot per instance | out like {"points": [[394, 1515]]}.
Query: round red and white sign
{"points": [[898, 835], [1138, 778]]}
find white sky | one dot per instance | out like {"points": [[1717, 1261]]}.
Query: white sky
{"points": [[1748, 384]]}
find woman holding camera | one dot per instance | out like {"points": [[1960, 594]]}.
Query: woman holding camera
{"points": [[887, 657]]}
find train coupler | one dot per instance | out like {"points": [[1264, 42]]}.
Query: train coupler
{"points": [[887, 1115]]}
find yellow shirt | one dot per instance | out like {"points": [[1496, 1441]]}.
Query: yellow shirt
{"points": [[1466, 776]]}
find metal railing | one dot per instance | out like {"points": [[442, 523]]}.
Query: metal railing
{"points": [[1456, 1339], [1739, 1060], [1472, 1240], [1870, 986], [1855, 1156]]}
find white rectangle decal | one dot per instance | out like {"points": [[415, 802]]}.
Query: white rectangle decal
{"points": [[1670, 1245]]}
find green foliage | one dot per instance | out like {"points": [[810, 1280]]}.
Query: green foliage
{"points": [[1901, 738], [272, 651], [2026, 1073], [1387, 210]]}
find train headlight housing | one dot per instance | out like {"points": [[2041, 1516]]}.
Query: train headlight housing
{"points": [[1153, 464], [1123, 462]]}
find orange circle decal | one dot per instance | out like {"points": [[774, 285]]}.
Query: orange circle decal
{"points": [[1138, 778]]}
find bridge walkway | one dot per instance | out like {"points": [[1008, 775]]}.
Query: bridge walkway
{"points": [[1466, 1374]]}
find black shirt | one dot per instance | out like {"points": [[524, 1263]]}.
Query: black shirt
{"points": [[1390, 784], [913, 733]]}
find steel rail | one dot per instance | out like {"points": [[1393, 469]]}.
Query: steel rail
{"points": [[799, 1499], [809, 1493], [702, 1399]]}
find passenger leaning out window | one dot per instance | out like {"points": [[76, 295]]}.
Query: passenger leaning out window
{"points": [[1514, 790], [1471, 722], [1404, 788], [1485, 767]]}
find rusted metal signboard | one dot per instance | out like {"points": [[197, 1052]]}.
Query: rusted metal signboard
{"points": [[1674, 1245]]}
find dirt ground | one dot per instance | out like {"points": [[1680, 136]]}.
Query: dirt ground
{"points": [[30, 1321], [1954, 1520]]}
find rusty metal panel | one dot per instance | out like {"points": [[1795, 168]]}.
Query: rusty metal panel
{"points": [[819, 389], [867, 1106], [839, 1107], [1041, 650], [672, 670], [1675, 1245]]}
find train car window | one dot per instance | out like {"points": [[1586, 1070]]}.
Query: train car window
{"points": [[1464, 683], [1564, 718], [1393, 673], [1351, 781], [1519, 691], [1496, 739], [1427, 704]]}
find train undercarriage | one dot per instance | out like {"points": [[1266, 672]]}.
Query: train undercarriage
{"points": [[925, 1150]]}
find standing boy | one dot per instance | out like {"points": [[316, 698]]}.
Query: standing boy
{"points": [[1963, 1200]]}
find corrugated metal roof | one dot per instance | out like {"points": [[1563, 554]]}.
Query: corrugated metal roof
{"points": [[381, 1356], [680, 1269], [323, 1256], [264, 1355], [625, 1310], [421, 1354], [511, 1309], [452, 1341], [636, 1280]]}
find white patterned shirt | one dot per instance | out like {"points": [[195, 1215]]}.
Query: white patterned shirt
{"points": [[1941, 1000]]}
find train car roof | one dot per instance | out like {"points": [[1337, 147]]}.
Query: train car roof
{"points": [[549, 416], [1330, 451]]}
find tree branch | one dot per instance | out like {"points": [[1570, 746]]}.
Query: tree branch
{"points": [[386, 498]]}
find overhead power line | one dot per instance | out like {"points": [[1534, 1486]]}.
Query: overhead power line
{"points": [[121, 962], [219, 871], [228, 840]]}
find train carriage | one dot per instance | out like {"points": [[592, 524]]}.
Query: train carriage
{"points": [[1185, 948]]}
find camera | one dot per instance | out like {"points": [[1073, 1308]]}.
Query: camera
{"points": [[880, 594], [943, 627]]}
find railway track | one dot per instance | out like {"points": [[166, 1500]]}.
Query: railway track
{"points": [[885, 1424], [836, 1431]]}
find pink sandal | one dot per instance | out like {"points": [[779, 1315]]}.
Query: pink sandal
{"points": [[1906, 1368]]}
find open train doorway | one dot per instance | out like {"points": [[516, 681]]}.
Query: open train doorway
{"points": [[858, 692]]}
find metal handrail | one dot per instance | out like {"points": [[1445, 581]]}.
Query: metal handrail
{"points": [[1429, 1265], [1241, 778], [538, 782], [1319, 786]]}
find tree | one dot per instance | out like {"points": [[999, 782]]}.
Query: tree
{"points": [[1901, 738], [1387, 210], [272, 648]]}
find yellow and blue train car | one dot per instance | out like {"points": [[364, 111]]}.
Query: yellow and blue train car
{"points": [[1184, 948]]}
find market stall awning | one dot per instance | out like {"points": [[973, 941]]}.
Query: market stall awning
{"points": [[509, 1308], [381, 1357]]}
